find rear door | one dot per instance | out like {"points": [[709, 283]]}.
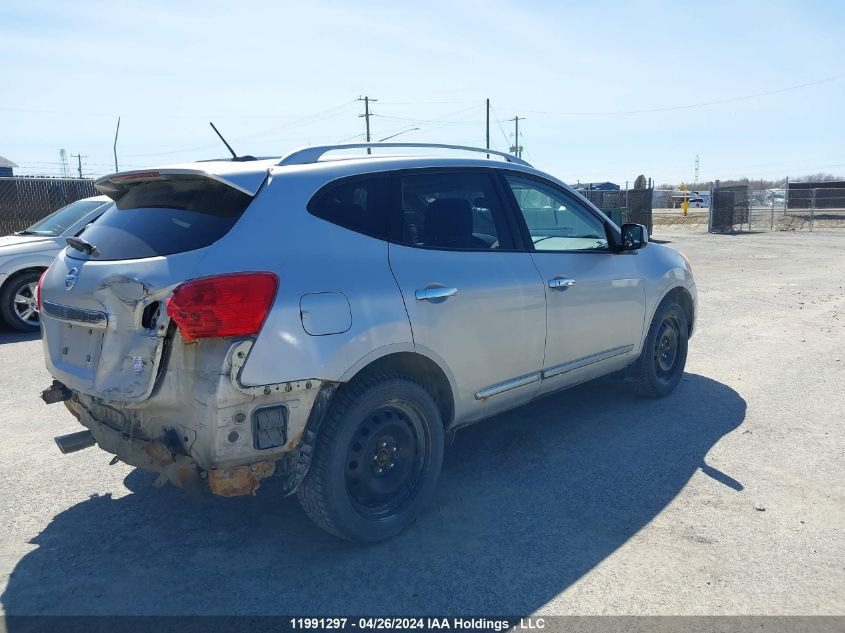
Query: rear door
{"points": [[473, 296], [595, 296], [103, 313]]}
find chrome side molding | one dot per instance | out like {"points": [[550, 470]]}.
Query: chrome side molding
{"points": [[563, 368], [507, 385]]}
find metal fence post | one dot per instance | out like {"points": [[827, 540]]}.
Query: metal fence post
{"points": [[772, 226], [710, 209], [813, 210], [786, 200]]}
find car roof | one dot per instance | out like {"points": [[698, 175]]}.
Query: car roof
{"points": [[248, 175]]}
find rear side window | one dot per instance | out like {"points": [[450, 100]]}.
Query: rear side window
{"points": [[358, 204], [453, 210], [165, 217]]}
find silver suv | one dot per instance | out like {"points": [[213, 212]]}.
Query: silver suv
{"points": [[330, 321]]}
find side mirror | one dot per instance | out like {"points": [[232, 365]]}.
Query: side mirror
{"points": [[634, 236]]}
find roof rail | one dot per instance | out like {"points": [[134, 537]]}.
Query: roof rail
{"points": [[307, 155]]}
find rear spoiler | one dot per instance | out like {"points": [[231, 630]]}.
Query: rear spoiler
{"points": [[247, 181]]}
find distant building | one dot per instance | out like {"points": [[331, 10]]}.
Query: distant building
{"points": [[6, 167], [596, 186]]}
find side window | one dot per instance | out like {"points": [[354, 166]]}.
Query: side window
{"points": [[556, 221], [453, 210], [358, 204]]}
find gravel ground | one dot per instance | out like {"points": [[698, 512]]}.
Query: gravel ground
{"points": [[724, 498]]}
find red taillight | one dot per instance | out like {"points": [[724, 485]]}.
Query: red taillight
{"points": [[225, 305], [38, 289]]}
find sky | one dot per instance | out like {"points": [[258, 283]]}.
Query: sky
{"points": [[608, 90]]}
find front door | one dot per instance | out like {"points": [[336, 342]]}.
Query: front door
{"points": [[474, 300], [595, 297]]}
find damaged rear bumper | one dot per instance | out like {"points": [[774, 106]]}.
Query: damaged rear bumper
{"points": [[161, 457], [202, 430]]}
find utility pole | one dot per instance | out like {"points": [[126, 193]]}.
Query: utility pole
{"points": [[79, 158], [488, 127], [366, 116], [516, 150]]}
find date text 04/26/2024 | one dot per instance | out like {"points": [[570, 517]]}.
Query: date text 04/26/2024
{"points": [[422, 623]]}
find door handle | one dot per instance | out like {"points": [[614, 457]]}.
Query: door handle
{"points": [[559, 283], [431, 294]]}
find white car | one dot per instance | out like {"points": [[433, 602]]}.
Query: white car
{"points": [[27, 254]]}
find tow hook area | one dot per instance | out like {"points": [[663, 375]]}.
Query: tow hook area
{"points": [[57, 392]]}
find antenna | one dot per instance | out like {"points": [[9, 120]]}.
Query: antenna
{"points": [[229, 147], [116, 132]]}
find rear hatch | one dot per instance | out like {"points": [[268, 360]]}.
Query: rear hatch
{"points": [[103, 312]]}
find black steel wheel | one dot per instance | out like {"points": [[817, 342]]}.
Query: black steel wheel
{"points": [[661, 364], [376, 461], [667, 348], [386, 459]]}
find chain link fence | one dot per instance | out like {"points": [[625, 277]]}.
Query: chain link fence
{"points": [[822, 207], [796, 209], [24, 201], [624, 205]]}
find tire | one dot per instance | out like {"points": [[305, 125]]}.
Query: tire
{"points": [[376, 461], [659, 368], [13, 309]]}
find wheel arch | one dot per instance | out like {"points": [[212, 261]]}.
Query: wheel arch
{"points": [[417, 367], [6, 285], [22, 271], [683, 296]]}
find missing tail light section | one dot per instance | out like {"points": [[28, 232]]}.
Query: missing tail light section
{"points": [[151, 315]]}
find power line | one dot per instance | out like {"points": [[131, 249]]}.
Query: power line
{"points": [[335, 110], [499, 123], [690, 106], [438, 121]]}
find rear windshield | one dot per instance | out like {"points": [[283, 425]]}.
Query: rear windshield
{"points": [[165, 217]]}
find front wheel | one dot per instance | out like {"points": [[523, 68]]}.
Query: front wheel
{"points": [[660, 366], [18, 302], [377, 459]]}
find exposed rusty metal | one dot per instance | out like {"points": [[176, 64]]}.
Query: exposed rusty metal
{"points": [[294, 465], [238, 358], [158, 453], [240, 480]]}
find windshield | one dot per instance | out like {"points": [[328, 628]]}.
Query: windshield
{"points": [[60, 221]]}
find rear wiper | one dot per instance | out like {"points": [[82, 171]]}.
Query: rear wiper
{"points": [[82, 245]]}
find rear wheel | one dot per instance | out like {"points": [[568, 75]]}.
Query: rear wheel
{"points": [[660, 366], [377, 459], [18, 305]]}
